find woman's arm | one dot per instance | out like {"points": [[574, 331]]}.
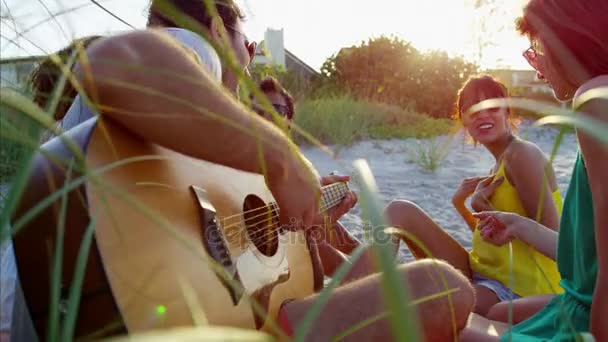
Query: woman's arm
{"points": [[500, 227], [529, 171], [595, 155], [466, 189], [466, 215]]}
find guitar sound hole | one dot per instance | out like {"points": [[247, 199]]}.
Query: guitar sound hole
{"points": [[261, 221]]}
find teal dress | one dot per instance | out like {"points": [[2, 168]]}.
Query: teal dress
{"points": [[568, 314]]}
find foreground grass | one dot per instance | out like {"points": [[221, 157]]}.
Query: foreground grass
{"points": [[344, 120]]}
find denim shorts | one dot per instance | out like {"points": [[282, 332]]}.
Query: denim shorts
{"points": [[502, 292]]}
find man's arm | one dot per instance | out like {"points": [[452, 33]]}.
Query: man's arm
{"points": [[150, 85], [146, 82]]}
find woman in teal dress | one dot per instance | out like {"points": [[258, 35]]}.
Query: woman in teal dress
{"points": [[570, 51]]}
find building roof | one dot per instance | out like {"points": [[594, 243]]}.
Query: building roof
{"points": [[295, 59]]}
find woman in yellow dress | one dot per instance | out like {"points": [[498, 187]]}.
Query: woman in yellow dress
{"points": [[522, 182]]}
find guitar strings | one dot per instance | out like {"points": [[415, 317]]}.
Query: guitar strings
{"points": [[247, 221], [325, 207], [273, 215], [326, 189], [270, 231]]}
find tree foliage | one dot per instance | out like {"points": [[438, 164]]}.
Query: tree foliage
{"points": [[390, 70]]}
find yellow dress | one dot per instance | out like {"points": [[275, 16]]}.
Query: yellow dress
{"points": [[533, 273]]}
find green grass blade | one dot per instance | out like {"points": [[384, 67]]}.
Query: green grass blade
{"points": [[59, 88], [558, 115], [54, 311], [596, 93], [360, 326], [69, 324], [383, 315], [403, 322], [593, 127], [306, 324], [17, 185]]}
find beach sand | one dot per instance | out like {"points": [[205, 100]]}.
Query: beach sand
{"points": [[397, 177]]}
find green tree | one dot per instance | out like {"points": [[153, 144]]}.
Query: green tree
{"points": [[390, 70]]}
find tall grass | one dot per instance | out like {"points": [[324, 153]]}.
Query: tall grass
{"points": [[429, 154], [340, 120]]}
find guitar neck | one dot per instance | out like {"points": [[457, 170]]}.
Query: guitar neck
{"points": [[332, 195]]}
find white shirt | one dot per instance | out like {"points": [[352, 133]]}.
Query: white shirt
{"points": [[79, 112]]}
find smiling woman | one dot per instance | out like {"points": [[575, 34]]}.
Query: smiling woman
{"points": [[515, 184]]}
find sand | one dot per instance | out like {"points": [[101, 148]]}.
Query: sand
{"points": [[397, 177]]}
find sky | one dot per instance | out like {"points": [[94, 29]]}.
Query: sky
{"points": [[313, 29]]}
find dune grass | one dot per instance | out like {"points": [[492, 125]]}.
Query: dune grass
{"points": [[342, 120]]}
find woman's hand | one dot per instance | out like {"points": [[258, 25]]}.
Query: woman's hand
{"points": [[484, 190], [466, 189], [500, 228]]}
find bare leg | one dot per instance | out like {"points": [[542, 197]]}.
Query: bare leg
{"points": [[481, 329], [412, 219], [360, 300], [486, 299], [523, 308]]}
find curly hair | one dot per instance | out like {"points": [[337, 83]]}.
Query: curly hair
{"points": [[271, 85], [227, 10], [44, 78]]}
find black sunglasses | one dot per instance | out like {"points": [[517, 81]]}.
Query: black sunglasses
{"points": [[281, 109]]}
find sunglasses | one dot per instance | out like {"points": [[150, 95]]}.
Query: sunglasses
{"points": [[283, 110], [249, 45], [531, 54]]}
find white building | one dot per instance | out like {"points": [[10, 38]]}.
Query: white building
{"points": [[272, 51]]}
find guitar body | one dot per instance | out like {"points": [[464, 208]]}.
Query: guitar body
{"points": [[154, 256], [178, 241]]}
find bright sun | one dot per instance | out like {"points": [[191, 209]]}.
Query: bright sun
{"points": [[314, 29]]}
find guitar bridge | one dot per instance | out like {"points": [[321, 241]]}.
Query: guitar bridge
{"points": [[216, 246]]}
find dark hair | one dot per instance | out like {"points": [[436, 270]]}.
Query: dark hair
{"points": [[44, 78], [581, 26], [227, 10], [271, 85], [481, 88]]}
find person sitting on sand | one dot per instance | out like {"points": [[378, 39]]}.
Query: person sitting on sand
{"points": [[291, 180], [569, 49], [514, 185], [333, 241], [280, 99]]}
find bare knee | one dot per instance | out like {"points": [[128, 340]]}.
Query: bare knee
{"points": [[499, 312], [455, 301], [398, 212]]}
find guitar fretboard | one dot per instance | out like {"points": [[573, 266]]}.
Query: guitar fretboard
{"points": [[332, 195]]}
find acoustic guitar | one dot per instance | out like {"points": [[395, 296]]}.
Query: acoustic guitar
{"points": [[178, 241]]}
